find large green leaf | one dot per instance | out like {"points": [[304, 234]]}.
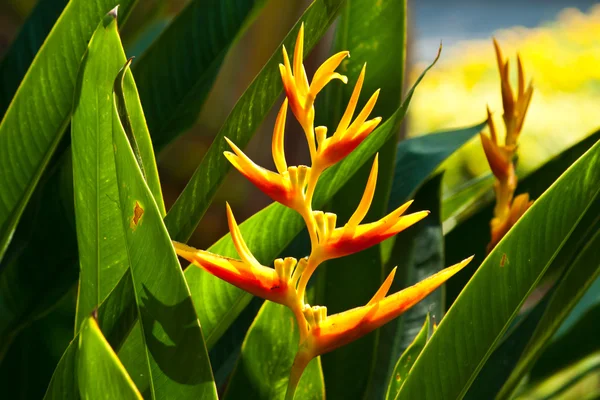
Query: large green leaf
{"points": [[269, 231], [178, 70], [261, 371], [490, 301], [99, 371], [102, 251], [39, 113], [23, 49], [582, 270], [364, 28], [242, 122], [408, 358], [170, 330]]}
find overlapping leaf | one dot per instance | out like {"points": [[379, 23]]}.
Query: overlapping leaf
{"points": [[99, 371], [39, 113]]}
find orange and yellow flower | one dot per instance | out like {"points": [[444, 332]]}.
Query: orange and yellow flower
{"points": [[294, 186], [500, 157]]}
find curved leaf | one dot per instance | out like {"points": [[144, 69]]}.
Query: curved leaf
{"points": [[178, 70], [39, 113], [99, 372], [482, 313], [102, 254], [269, 231], [171, 334]]}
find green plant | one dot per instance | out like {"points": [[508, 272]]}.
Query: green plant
{"points": [[87, 242]]}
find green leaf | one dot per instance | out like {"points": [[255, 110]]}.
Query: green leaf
{"points": [[99, 371], [408, 358], [39, 113], [473, 234], [483, 311], [269, 231], [25, 46], [261, 371], [116, 316], [248, 113], [418, 253], [581, 271], [102, 252], [364, 28], [171, 334], [178, 70]]}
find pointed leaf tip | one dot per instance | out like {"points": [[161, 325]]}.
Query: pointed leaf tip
{"points": [[114, 12]]}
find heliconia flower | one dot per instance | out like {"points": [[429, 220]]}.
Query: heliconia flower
{"points": [[285, 187], [354, 237], [347, 136], [515, 108], [295, 82], [247, 274]]}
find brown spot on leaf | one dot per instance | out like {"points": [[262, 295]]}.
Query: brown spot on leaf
{"points": [[138, 212], [504, 260]]}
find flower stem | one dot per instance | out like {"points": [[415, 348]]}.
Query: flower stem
{"points": [[300, 362]]}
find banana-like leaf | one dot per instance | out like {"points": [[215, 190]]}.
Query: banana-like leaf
{"points": [[581, 272], [269, 231], [484, 310], [171, 335], [242, 122], [261, 371], [99, 372], [348, 282], [408, 358], [177, 71], [22, 51], [37, 117], [102, 251]]}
